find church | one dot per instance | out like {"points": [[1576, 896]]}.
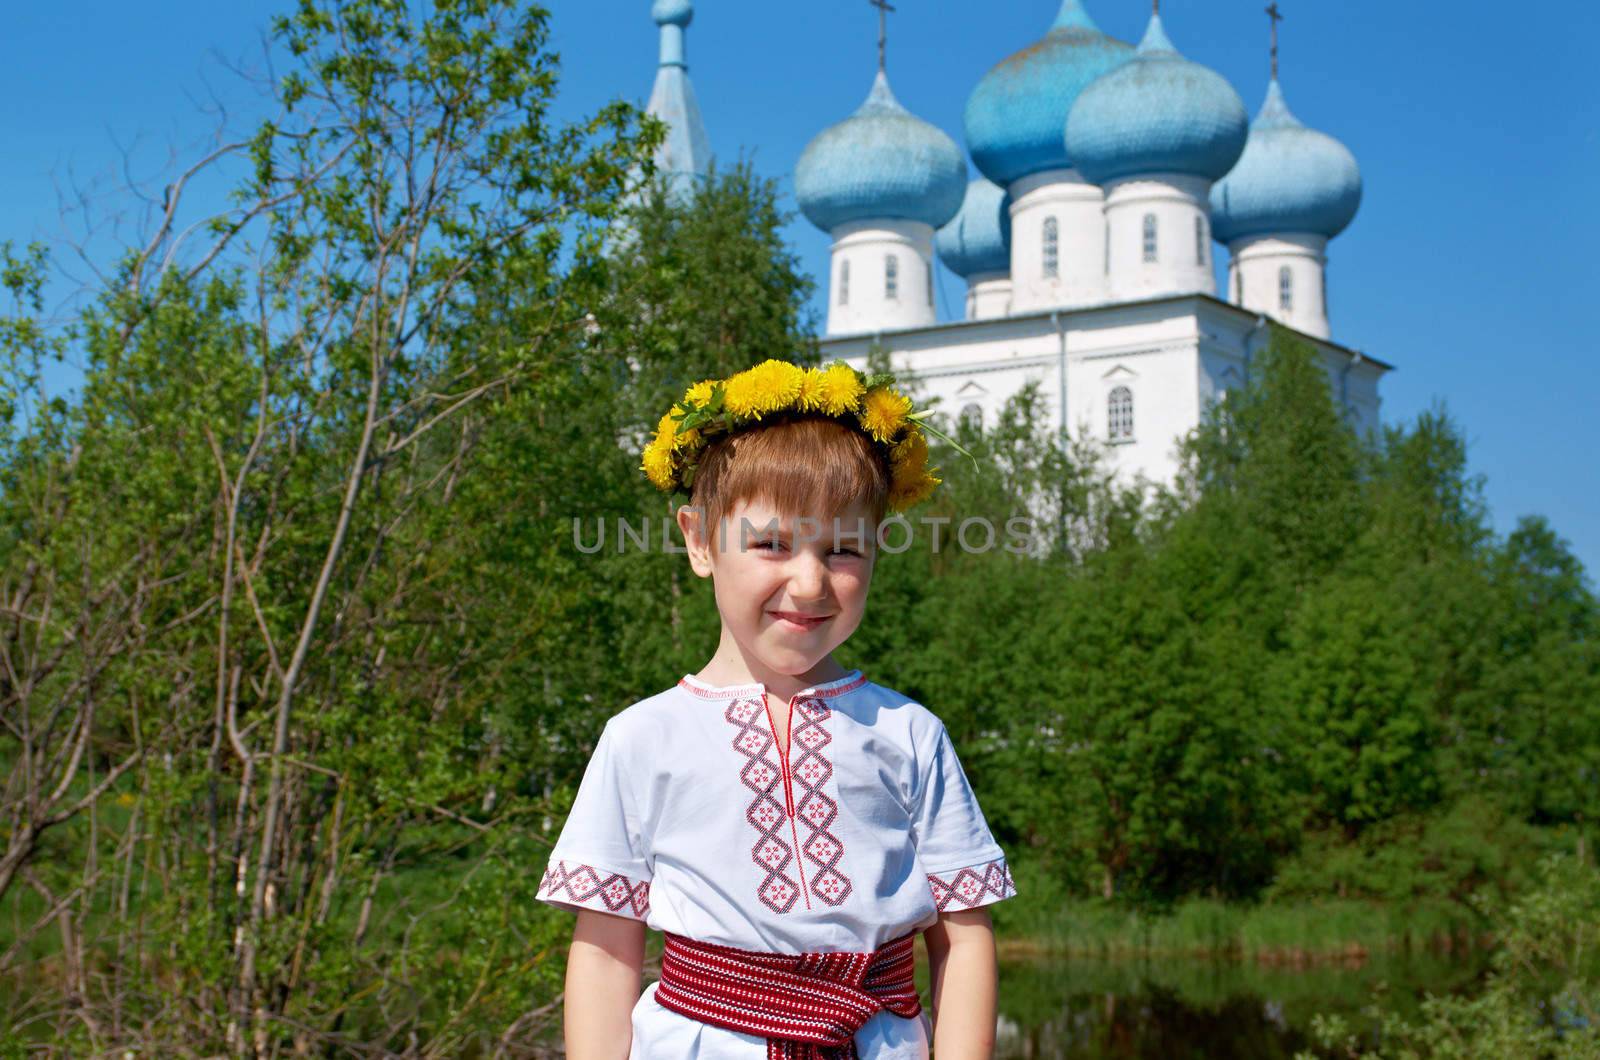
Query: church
{"points": [[1110, 174]]}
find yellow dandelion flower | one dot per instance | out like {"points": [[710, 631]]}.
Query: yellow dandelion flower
{"points": [[657, 464], [700, 393], [810, 399], [768, 387], [883, 412], [838, 389], [910, 480], [903, 495], [669, 435], [689, 443], [909, 457]]}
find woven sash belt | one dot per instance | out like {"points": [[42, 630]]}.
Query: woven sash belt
{"points": [[808, 1005]]}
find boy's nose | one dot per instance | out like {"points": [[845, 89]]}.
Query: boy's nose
{"points": [[807, 575]]}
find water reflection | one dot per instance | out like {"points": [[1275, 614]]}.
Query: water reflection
{"points": [[1095, 1010]]}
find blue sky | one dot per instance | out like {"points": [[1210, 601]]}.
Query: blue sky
{"points": [[1473, 266]]}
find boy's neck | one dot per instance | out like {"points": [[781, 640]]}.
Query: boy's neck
{"points": [[731, 666]]}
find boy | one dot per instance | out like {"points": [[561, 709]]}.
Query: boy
{"points": [[788, 825]]}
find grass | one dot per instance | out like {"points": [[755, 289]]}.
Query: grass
{"points": [[1288, 934]]}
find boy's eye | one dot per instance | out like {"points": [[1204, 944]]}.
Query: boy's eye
{"points": [[767, 544], [846, 550]]}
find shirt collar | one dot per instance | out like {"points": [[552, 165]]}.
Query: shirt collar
{"points": [[837, 687]]}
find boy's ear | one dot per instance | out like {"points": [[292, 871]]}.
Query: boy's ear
{"points": [[696, 538]]}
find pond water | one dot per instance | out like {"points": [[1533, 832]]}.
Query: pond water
{"points": [[1075, 1009]]}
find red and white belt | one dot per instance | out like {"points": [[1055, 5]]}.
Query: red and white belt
{"points": [[808, 1005]]}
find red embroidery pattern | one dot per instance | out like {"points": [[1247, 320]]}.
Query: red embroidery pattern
{"points": [[761, 774], [813, 770], [768, 811], [583, 885], [972, 887]]}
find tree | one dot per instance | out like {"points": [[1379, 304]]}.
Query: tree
{"points": [[702, 287], [1360, 726], [238, 655], [1279, 453], [1534, 715]]}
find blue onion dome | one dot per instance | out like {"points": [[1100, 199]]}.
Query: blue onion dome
{"points": [[978, 239], [1290, 179], [672, 12], [1159, 113], [1014, 117], [881, 163]]}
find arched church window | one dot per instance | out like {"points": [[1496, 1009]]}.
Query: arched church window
{"points": [[1199, 240], [1324, 293], [844, 282], [891, 276], [1052, 247], [1286, 289], [1119, 413], [1149, 237], [1238, 285], [927, 268], [972, 416]]}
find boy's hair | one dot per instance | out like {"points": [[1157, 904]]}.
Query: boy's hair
{"points": [[810, 465]]}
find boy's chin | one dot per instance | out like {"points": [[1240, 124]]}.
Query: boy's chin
{"points": [[793, 662]]}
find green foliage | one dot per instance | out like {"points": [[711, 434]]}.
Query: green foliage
{"points": [[1542, 995], [265, 758], [1279, 454], [1531, 717], [1448, 855], [701, 288], [1167, 699], [1354, 704]]}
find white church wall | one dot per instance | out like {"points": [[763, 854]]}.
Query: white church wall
{"points": [[1136, 406], [882, 277], [1231, 340], [1364, 397], [1159, 237], [1149, 351], [1171, 356], [979, 362], [1074, 275], [1284, 276], [1220, 370], [988, 295], [1355, 388]]}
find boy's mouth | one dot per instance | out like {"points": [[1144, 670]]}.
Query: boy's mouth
{"points": [[798, 620]]}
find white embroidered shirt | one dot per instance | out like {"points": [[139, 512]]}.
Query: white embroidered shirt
{"points": [[689, 819]]}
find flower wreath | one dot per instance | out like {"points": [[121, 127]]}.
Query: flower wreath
{"points": [[716, 407]]}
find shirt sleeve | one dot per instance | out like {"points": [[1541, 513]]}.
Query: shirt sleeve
{"points": [[965, 866], [599, 861]]}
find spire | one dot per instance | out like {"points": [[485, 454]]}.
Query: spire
{"points": [[1275, 112], [1276, 17], [880, 96], [1155, 36], [1073, 16], [884, 7], [673, 16], [686, 151]]}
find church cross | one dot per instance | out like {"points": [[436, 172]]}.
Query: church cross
{"points": [[1276, 16], [884, 7]]}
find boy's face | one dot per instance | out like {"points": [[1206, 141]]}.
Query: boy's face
{"points": [[790, 589]]}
